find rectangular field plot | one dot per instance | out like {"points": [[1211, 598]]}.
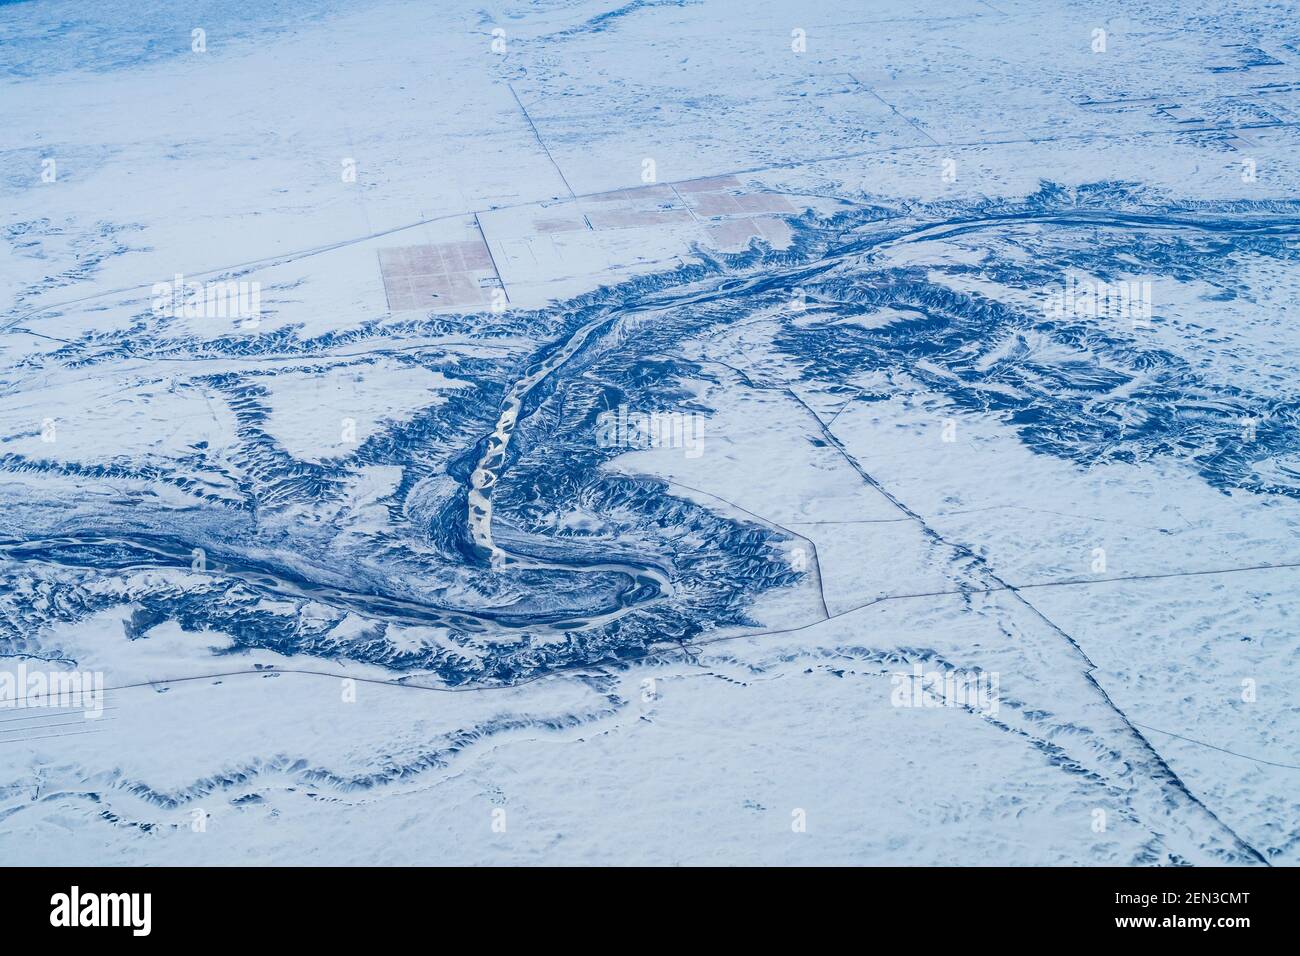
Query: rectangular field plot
{"points": [[448, 275]]}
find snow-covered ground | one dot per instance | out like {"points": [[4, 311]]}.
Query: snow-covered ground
{"points": [[652, 432]]}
